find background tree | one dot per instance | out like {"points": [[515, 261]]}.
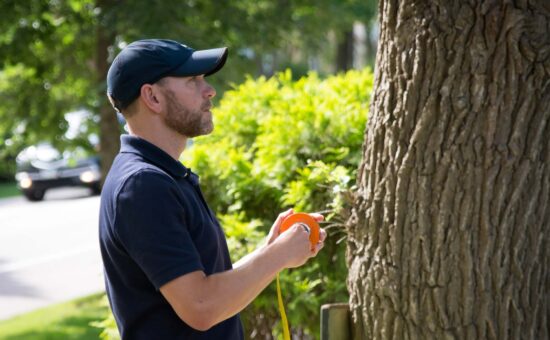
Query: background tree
{"points": [[347, 40], [449, 234], [54, 55]]}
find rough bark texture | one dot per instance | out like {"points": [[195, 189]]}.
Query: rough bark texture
{"points": [[449, 233]]}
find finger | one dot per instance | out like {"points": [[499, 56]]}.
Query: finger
{"points": [[288, 212], [306, 227], [284, 215], [317, 217], [279, 220], [298, 228], [322, 234], [318, 248]]}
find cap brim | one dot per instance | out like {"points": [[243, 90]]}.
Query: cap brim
{"points": [[205, 62]]}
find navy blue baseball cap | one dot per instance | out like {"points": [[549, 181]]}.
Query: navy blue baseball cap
{"points": [[147, 61]]}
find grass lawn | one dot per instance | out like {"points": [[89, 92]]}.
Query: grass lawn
{"points": [[69, 320], [8, 189]]}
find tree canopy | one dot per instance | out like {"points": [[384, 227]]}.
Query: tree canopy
{"points": [[52, 52]]}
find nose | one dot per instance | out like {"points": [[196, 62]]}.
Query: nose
{"points": [[209, 90]]}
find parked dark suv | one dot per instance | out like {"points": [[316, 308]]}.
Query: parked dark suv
{"points": [[42, 167]]}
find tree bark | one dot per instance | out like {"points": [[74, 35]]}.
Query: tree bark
{"points": [[448, 237], [108, 125]]}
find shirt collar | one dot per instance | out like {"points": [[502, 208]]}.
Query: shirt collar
{"points": [[155, 155]]}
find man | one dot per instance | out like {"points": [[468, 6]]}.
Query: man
{"points": [[167, 268]]}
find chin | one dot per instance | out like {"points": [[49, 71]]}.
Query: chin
{"points": [[203, 132], [209, 127], [209, 130]]}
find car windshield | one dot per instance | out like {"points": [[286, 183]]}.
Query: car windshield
{"points": [[43, 152]]}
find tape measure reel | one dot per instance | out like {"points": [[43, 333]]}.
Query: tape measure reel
{"points": [[304, 219]]}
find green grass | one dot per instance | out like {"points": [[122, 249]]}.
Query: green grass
{"points": [[69, 320], [9, 189]]}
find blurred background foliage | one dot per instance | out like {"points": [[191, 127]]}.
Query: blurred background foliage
{"points": [[54, 54]]}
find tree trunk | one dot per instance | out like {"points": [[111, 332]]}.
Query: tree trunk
{"points": [[344, 53], [108, 125], [449, 233]]}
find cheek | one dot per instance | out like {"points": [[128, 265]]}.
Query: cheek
{"points": [[191, 99]]}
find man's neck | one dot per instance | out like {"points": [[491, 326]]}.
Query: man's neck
{"points": [[170, 141]]}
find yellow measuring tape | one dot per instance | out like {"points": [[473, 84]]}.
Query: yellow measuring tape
{"points": [[313, 229], [284, 320]]}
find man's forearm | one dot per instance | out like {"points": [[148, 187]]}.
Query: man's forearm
{"points": [[245, 259], [203, 301], [235, 289]]}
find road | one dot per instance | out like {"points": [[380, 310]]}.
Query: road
{"points": [[49, 250]]}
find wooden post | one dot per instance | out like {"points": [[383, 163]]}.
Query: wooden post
{"points": [[335, 322]]}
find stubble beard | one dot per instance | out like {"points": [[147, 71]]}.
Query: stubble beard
{"points": [[189, 123]]}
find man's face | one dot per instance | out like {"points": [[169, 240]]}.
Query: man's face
{"points": [[188, 105]]}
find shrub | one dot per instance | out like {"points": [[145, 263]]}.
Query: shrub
{"points": [[280, 143]]}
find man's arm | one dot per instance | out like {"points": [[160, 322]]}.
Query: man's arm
{"points": [[203, 301]]}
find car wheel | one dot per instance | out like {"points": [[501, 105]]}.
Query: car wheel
{"points": [[34, 195], [96, 189]]}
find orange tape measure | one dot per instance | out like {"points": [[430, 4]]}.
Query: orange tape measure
{"points": [[305, 220], [310, 224]]}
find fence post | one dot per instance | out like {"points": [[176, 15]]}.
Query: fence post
{"points": [[335, 322]]}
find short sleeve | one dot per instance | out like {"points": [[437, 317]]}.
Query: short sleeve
{"points": [[150, 226]]}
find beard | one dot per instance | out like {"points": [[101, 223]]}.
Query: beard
{"points": [[187, 122]]}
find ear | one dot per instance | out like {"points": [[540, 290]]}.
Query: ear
{"points": [[151, 97]]}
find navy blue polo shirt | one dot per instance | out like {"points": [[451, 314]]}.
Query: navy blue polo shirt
{"points": [[155, 226]]}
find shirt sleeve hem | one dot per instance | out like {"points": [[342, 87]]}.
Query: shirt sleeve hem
{"points": [[168, 275]]}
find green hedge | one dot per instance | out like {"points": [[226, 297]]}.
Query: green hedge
{"points": [[280, 143], [277, 144]]}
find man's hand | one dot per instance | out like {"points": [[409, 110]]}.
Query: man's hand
{"points": [[295, 241], [274, 232]]}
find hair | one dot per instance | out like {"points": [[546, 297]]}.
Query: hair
{"points": [[127, 110]]}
